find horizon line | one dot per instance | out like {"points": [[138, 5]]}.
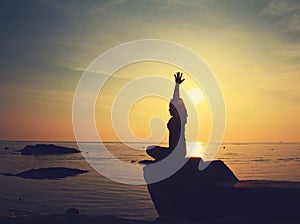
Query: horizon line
{"points": [[111, 141]]}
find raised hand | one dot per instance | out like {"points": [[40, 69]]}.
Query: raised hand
{"points": [[178, 78]]}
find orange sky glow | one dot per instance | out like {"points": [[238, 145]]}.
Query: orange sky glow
{"points": [[252, 48]]}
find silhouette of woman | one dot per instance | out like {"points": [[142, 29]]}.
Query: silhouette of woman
{"points": [[176, 126]]}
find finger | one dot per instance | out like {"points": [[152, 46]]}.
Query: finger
{"points": [[182, 80]]}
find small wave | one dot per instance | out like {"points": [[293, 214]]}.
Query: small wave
{"points": [[289, 159], [260, 160]]}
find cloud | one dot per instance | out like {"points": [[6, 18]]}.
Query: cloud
{"points": [[279, 7], [106, 6], [291, 51], [24, 98], [286, 12], [294, 21]]}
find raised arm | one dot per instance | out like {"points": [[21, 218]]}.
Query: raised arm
{"points": [[178, 80]]}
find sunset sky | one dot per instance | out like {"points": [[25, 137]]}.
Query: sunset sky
{"points": [[253, 48]]}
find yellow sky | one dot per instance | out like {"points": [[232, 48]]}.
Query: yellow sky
{"points": [[149, 107]]}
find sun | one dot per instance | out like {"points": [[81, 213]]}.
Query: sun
{"points": [[196, 95], [195, 150]]}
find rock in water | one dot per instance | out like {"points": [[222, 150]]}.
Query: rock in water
{"points": [[146, 161], [46, 149], [48, 173], [72, 211]]}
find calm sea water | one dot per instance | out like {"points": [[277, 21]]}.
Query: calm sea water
{"points": [[94, 194]]}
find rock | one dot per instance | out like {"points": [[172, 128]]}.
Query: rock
{"points": [[216, 172], [7, 174], [216, 192], [47, 173], [46, 149], [146, 161], [72, 211]]}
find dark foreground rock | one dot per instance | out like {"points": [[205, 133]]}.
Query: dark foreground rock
{"points": [[46, 149], [48, 173], [216, 192]]}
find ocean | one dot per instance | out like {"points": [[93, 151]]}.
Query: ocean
{"points": [[94, 194]]}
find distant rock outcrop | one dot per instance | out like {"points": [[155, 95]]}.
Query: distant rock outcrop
{"points": [[48, 173], [46, 149], [146, 161]]}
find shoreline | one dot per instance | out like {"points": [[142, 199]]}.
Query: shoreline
{"points": [[111, 219]]}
